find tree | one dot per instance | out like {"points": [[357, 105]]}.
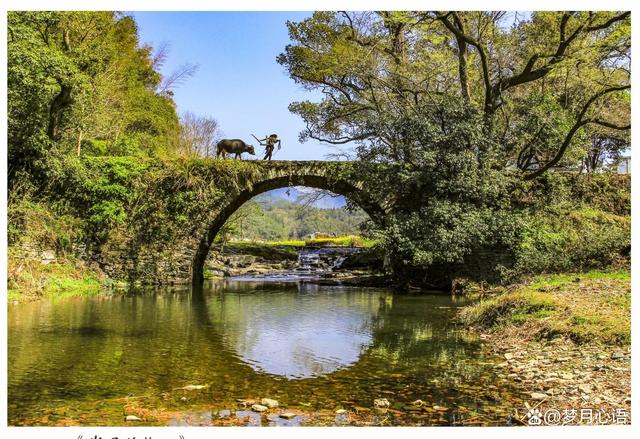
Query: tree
{"points": [[371, 65], [459, 105], [198, 135], [81, 82]]}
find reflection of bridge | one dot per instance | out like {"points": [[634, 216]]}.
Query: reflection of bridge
{"points": [[316, 332], [232, 184]]}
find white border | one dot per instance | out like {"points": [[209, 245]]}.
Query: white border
{"points": [[290, 5]]}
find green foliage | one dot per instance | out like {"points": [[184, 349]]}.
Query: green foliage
{"points": [[444, 205], [461, 107], [605, 191], [30, 279], [587, 307], [285, 220], [538, 83], [91, 136], [81, 80], [557, 240], [34, 223]]}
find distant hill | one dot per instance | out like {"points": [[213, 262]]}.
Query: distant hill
{"points": [[297, 194], [278, 215]]}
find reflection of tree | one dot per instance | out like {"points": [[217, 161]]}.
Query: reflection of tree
{"points": [[415, 328], [85, 350]]}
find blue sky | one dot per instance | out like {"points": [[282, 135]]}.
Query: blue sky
{"points": [[238, 82]]}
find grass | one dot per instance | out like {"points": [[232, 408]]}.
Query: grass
{"points": [[587, 307], [31, 279], [341, 241]]}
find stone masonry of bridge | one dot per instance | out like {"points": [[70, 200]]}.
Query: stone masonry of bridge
{"points": [[182, 260]]}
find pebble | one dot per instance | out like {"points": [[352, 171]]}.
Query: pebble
{"points": [[288, 415], [585, 388], [259, 408], [271, 403], [381, 403], [130, 418], [538, 396], [341, 412], [619, 355], [508, 356]]}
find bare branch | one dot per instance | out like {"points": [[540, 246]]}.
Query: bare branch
{"points": [[160, 56], [609, 22], [177, 78]]}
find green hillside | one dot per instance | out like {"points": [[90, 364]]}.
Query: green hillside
{"points": [[282, 219]]}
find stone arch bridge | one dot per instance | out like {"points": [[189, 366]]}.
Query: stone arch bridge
{"points": [[183, 259], [337, 177]]}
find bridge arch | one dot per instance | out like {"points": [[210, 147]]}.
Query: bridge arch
{"points": [[315, 178]]}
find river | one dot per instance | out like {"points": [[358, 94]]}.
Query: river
{"points": [[315, 349]]}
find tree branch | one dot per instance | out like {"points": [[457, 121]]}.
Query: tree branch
{"points": [[580, 122], [459, 33]]}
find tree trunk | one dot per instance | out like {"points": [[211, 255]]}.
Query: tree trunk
{"points": [[462, 70], [57, 107], [79, 142]]}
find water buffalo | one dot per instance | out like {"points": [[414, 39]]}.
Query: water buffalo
{"points": [[233, 146]]}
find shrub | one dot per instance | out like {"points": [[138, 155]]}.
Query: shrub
{"points": [[574, 240]]}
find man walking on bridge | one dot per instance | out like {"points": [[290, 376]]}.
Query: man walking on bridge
{"points": [[270, 143]]}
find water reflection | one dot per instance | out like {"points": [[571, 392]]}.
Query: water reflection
{"points": [[295, 331], [298, 343]]}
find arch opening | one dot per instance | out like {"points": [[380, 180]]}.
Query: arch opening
{"points": [[340, 187]]}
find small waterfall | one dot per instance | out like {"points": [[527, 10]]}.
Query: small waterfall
{"points": [[338, 262], [308, 260]]}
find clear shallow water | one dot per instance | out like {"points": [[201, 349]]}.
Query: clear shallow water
{"points": [[85, 360]]}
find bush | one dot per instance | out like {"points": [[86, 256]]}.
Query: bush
{"points": [[574, 240], [36, 224]]}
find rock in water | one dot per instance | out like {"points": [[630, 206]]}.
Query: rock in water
{"points": [[259, 408], [381, 403], [271, 403], [130, 418], [288, 415]]}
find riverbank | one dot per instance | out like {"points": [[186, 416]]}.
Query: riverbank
{"points": [[32, 279], [565, 340]]}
